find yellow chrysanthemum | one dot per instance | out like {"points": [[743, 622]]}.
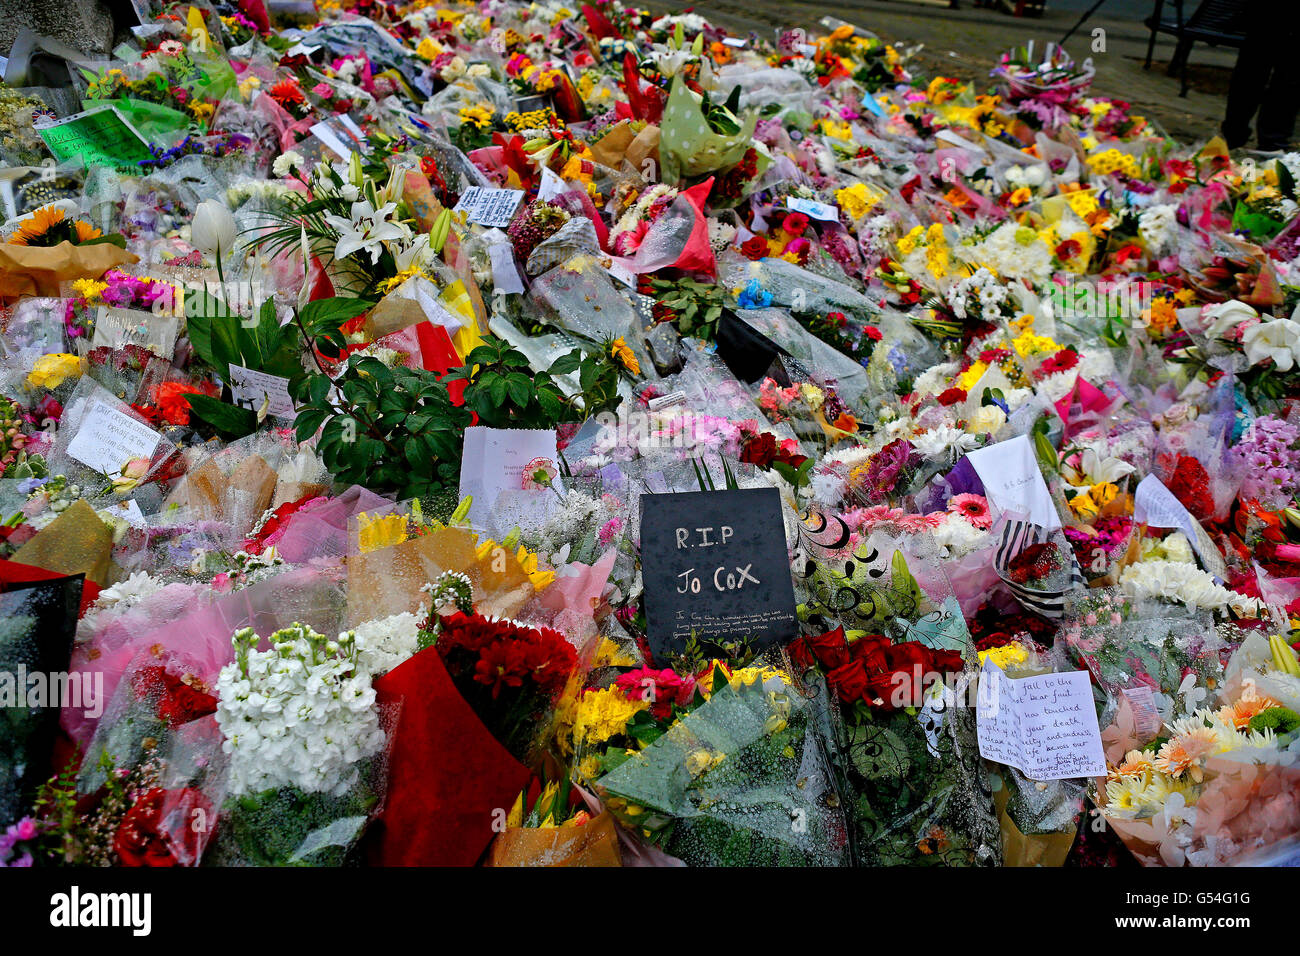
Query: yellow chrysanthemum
{"points": [[602, 714], [1006, 656], [382, 532], [624, 355], [52, 370]]}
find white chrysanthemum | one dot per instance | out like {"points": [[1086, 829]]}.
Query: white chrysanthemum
{"points": [[934, 379], [958, 537], [129, 592], [1156, 226], [1184, 583], [944, 441]]}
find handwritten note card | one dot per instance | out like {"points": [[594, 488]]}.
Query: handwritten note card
{"points": [[1013, 482], [101, 137], [107, 439], [490, 207], [1045, 726], [252, 389], [509, 469]]}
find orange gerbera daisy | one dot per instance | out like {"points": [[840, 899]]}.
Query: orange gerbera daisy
{"points": [[1135, 764]]}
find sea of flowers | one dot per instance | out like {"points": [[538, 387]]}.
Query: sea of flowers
{"points": [[249, 615]]}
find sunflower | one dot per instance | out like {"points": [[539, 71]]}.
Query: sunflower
{"points": [[34, 229], [48, 226]]}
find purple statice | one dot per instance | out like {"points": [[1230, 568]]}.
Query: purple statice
{"points": [[1269, 461]]}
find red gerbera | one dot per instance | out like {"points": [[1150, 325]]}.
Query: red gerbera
{"points": [[795, 223], [1062, 361], [287, 92]]}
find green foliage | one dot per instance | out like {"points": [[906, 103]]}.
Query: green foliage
{"points": [[388, 429], [505, 393], [696, 306]]}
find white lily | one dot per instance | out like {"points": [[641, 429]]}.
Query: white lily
{"points": [[1090, 468], [1278, 340], [1222, 318], [367, 230]]}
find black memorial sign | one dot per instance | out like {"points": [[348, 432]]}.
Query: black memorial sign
{"points": [[715, 564]]}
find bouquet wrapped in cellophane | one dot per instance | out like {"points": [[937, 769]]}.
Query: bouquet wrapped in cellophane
{"points": [[888, 639]]}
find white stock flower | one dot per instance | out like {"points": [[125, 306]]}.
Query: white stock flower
{"points": [[300, 715]]}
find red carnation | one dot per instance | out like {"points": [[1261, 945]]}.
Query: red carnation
{"points": [[952, 396]]}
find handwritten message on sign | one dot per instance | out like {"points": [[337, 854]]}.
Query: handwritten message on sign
{"points": [[1044, 726], [107, 439], [101, 137], [715, 565], [490, 207]]}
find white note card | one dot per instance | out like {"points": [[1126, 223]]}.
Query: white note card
{"points": [[501, 462], [1013, 482], [815, 210], [252, 389], [1045, 726], [490, 207], [1154, 504], [107, 439]]}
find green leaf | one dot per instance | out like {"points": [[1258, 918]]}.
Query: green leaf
{"points": [[230, 421], [331, 313], [566, 363]]}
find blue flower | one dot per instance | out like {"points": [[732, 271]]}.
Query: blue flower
{"points": [[754, 296]]}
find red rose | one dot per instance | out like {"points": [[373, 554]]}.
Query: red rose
{"points": [[849, 681], [760, 450], [910, 656], [802, 655], [146, 837], [830, 649], [754, 248], [871, 651], [946, 662], [873, 333]]}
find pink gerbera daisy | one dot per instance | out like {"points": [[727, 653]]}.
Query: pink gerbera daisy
{"points": [[973, 508]]}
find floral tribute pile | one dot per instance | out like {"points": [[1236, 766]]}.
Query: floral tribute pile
{"points": [[1024, 371]]}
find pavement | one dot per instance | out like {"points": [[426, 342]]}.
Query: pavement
{"points": [[966, 42]]}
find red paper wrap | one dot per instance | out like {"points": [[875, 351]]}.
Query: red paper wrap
{"points": [[449, 775]]}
